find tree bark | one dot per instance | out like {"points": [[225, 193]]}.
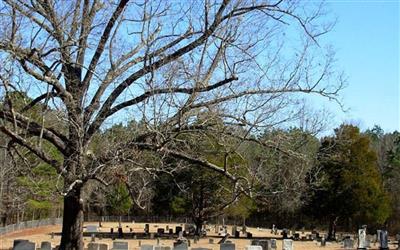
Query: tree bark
{"points": [[72, 227], [332, 228]]}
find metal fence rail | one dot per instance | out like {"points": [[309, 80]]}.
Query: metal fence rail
{"points": [[30, 224]]}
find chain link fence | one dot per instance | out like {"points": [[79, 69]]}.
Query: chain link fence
{"points": [[29, 224]]}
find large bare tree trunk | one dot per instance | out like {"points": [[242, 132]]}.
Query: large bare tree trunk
{"points": [[72, 227]]}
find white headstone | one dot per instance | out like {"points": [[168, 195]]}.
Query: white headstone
{"points": [[287, 244], [362, 238], [253, 248]]}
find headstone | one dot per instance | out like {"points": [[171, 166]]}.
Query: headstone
{"points": [[93, 246], [249, 235], [93, 238], [160, 231], [171, 231], [167, 228], [284, 233], [91, 229], [234, 229], [178, 229], [323, 241], [296, 236], [146, 247], [384, 243], [180, 246], [273, 244], [151, 235], [265, 244], [146, 228], [120, 233], [45, 245], [210, 241], [52, 235], [253, 248], [227, 246], [162, 248], [273, 229], [200, 248], [180, 235], [348, 243], [362, 238], [23, 245], [103, 246], [287, 244], [120, 245]]}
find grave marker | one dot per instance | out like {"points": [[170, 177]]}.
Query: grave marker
{"points": [[273, 244], [91, 229], [287, 244], [384, 243], [362, 238], [253, 248], [227, 246], [146, 247], [24, 245], [120, 245], [45, 245], [180, 246], [348, 243]]}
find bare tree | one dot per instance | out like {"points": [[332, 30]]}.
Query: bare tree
{"points": [[167, 63]]}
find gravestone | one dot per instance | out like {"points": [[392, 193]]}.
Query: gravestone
{"points": [[178, 229], [227, 246], [234, 229], [362, 238], [210, 241], [296, 236], [348, 243], [103, 246], [45, 245], [146, 247], [23, 245], [93, 238], [120, 233], [93, 246], [91, 229], [323, 241], [273, 244], [384, 242], [253, 248], [263, 243], [160, 231], [171, 231], [180, 246], [273, 229], [162, 248], [120, 245], [287, 244], [200, 248], [284, 233], [146, 228]]}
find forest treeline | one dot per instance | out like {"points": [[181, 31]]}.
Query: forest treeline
{"points": [[337, 182]]}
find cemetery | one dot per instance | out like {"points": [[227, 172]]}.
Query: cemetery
{"points": [[143, 236], [199, 125]]}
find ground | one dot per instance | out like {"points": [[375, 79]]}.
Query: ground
{"points": [[44, 234]]}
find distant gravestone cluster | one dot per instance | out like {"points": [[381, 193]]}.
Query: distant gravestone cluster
{"points": [[363, 241]]}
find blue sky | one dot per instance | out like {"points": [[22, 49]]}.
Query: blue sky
{"points": [[366, 39]]}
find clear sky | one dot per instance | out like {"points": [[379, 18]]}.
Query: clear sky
{"points": [[366, 39]]}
